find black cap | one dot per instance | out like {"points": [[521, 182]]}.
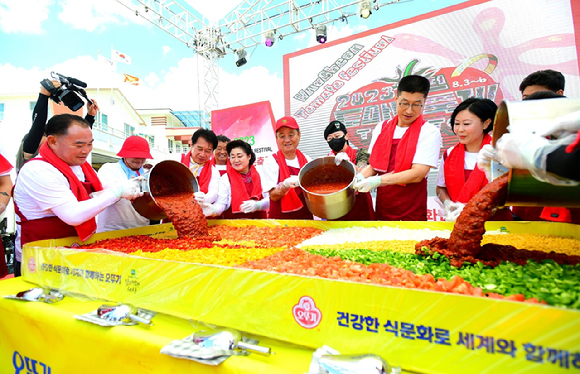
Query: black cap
{"points": [[333, 127]]}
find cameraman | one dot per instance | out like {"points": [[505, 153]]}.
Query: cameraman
{"points": [[35, 138]]}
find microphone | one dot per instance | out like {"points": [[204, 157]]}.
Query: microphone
{"points": [[77, 82]]}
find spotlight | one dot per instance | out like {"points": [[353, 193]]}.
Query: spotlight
{"points": [[269, 38], [321, 34], [364, 9], [241, 57]]}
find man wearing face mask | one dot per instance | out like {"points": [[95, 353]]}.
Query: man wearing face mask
{"points": [[337, 137]]}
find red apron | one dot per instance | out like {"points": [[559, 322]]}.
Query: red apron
{"points": [[276, 206], [228, 214], [47, 227], [401, 203], [532, 213]]}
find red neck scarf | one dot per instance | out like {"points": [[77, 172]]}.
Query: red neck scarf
{"points": [[575, 144], [88, 228], [204, 177], [405, 150], [186, 158], [351, 152], [5, 166], [239, 190], [290, 202], [459, 189]]}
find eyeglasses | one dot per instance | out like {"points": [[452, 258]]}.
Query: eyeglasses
{"points": [[405, 106], [336, 135]]}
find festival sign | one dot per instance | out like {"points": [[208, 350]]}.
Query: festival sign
{"points": [[253, 123], [477, 48]]}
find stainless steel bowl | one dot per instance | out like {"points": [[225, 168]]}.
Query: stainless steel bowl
{"points": [[333, 205], [181, 179], [532, 116]]}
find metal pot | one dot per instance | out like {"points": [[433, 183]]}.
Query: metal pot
{"points": [[181, 179], [532, 116], [333, 205]]}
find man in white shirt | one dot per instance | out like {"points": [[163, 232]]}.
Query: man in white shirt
{"points": [[403, 150], [121, 215], [280, 174], [203, 142], [53, 195], [220, 154]]}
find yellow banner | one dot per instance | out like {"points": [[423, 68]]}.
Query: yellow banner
{"points": [[419, 330]]}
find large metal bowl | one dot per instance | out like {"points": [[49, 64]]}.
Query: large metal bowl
{"points": [[333, 205], [181, 179], [532, 116]]}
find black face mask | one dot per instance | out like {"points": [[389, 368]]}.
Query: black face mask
{"points": [[337, 144]]}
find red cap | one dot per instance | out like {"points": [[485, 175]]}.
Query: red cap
{"points": [[287, 122], [135, 147]]}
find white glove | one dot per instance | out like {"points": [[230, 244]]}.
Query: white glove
{"points": [[208, 210], [130, 189], [340, 157], [367, 184], [199, 197], [359, 177], [452, 210], [484, 157], [563, 126], [291, 182], [250, 206], [520, 151]]}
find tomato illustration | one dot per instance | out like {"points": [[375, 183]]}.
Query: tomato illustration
{"points": [[374, 103]]}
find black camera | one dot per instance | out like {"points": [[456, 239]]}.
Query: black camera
{"points": [[70, 92]]}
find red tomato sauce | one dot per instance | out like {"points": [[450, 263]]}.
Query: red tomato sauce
{"points": [[464, 243], [180, 207], [326, 179]]}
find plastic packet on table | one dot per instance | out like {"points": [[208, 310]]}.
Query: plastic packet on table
{"points": [[326, 360], [110, 315], [212, 347], [38, 294]]}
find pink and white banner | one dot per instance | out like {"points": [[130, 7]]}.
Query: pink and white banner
{"points": [[477, 48], [253, 123]]}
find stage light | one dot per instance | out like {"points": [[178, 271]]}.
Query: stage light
{"points": [[241, 53], [321, 34], [269, 38], [364, 9]]}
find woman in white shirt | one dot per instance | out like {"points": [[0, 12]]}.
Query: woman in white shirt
{"points": [[240, 189]]}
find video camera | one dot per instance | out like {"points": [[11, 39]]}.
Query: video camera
{"points": [[70, 92]]}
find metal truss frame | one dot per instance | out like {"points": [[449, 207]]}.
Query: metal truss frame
{"points": [[244, 27]]}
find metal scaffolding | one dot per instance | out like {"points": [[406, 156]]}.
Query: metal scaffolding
{"points": [[242, 28]]}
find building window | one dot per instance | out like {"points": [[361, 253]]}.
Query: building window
{"points": [[129, 130], [1, 111], [151, 141], [104, 121]]}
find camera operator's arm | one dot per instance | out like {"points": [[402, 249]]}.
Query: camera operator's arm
{"points": [[39, 117], [92, 110]]}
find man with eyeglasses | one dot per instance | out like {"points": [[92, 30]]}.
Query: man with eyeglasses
{"points": [[403, 150], [337, 137]]}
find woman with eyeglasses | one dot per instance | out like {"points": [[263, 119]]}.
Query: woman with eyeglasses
{"points": [[459, 178], [240, 188], [337, 137], [403, 150]]}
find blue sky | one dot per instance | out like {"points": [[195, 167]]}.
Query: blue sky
{"points": [[38, 36]]}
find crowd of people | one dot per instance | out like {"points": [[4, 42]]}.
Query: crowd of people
{"points": [[58, 193]]}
